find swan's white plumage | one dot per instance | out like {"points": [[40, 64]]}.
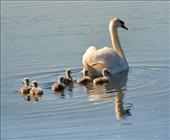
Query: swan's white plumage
{"points": [[104, 58], [94, 60]]}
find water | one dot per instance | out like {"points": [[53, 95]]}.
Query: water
{"points": [[41, 39]]}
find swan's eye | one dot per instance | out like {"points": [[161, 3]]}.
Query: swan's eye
{"points": [[123, 25], [122, 22]]}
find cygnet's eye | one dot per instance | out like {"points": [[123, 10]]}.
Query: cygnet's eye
{"points": [[108, 73]]}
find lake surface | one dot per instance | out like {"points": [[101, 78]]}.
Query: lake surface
{"points": [[40, 40]]}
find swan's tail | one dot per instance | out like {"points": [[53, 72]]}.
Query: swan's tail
{"points": [[91, 71]]}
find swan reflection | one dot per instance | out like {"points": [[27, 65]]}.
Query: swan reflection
{"points": [[114, 90], [120, 110]]}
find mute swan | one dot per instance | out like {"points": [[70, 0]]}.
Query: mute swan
{"points": [[35, 90], [104, 79], [111, 58], [85, 79], [58, 86], [26, 88], [68, 80]]}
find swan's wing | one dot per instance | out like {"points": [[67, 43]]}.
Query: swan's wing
{"points": [[92, 55], [110, 58], [87, 57], [103, 58], [95, 60]]}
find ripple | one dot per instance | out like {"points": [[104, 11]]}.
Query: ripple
{"points": [[117, 101]]}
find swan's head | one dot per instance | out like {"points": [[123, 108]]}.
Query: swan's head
{"points": [[25, 81], [34, 84], [116, 23], [105, 72]]}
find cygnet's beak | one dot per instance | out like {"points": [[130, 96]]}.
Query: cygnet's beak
{"points": [[124, 26]]}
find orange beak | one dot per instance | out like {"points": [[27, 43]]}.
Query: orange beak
{"points": [[123, 26]]}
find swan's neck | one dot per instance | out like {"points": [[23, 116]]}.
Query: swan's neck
{"points": [[115, 41]]}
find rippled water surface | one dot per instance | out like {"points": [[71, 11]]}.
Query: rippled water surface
{"points": [[40, 40]]}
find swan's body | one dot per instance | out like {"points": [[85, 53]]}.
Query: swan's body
{"points": [[104, 79], [58, 86], [35, 90], [111, 58], [68, 80], [85, 79], [26, 88]]}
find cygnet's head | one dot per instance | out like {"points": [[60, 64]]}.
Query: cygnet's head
{"points": [[115, 23], [61, 79], [68, 71], [26, 81], [85, 72], [105, 72], [34, 84]]}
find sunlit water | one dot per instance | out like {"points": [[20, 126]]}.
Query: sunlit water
{"points": [[41, 39]]}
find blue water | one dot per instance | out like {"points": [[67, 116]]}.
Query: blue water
{"points": [[40, 40]]}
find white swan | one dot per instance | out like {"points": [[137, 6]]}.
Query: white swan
{"points": [[111, 58]]}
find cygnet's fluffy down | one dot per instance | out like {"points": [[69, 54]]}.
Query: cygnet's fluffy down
{"points": [[104, 79], [35, 90], [68, 80], [85, 79], [26, 88], [58, 86]]}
